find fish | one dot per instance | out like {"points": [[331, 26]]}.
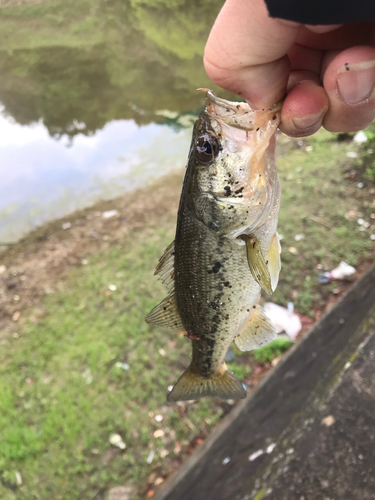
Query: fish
{"points": [[226, 247]]}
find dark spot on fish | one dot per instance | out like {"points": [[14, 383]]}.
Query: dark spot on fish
{"points": [[274, 117], [226, 283], [254, 307], [214, 305], [215, 268], [248, 310], [240, 195], [239, 190], [164, 308], [228, 191], [258, 129]]}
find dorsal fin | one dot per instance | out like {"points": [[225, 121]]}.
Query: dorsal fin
{"points": [[165, 267], [166, 314]]}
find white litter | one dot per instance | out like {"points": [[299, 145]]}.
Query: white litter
{"points": [[150, 457], [123, 366], [66, 225], [351, 154], [226, 460], [18, 478], [255, 455], [342, 271], [270, 448], [283, 319], [360, 137], [109, 213], [116, 440], [113, 288]]}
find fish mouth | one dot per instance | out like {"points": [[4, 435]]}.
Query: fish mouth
{"points": [[236, 114]]}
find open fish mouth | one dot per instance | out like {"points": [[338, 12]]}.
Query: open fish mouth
{"points": [[238, 115]]}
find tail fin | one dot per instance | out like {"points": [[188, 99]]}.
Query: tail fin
{"points": [[223, 384]]}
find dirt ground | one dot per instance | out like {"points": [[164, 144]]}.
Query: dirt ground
{"points": [[36, 265]]}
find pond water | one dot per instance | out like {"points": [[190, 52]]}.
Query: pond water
{"points": [[96, 98]]}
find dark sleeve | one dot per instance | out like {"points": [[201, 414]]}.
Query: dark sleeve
{"points": [[322, 11]]}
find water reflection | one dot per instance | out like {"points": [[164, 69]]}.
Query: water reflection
{"points": [[48, 178], [90, 93]]}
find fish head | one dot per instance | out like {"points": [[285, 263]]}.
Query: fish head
{"points": [[232, 156]]}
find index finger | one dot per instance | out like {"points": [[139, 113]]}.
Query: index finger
{"points": [[246, 52]]}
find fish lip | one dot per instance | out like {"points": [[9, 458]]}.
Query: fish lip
{"points": [[237, 114]]}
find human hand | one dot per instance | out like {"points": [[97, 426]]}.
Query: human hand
{"points": [[326, 72]]}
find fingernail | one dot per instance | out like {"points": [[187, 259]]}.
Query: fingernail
{"points": [[308, 121], [356, 82]]}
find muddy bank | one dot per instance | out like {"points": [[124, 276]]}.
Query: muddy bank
{"points": [[36, 265]]}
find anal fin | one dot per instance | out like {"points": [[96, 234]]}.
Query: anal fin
{"points": [[258, 264], [166, 314], [257, 333], [223, 384]]}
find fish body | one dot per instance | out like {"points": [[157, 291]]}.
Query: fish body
{"points": [[226, 247]]}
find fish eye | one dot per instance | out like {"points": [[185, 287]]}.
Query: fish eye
{"points": [[207, 148]]}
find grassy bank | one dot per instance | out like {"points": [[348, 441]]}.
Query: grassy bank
{"points": [[88, 366]]}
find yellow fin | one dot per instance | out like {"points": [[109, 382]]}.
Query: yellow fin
{"points": [[257, 264], [191, 385], [258, 332], [166, 314], [274, 261]]}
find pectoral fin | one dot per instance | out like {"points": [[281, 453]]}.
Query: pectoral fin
{"points": [[258, 264], [274, 262], [258, 332], [166, 314]]}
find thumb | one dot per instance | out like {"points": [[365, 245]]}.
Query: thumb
{"points": [[246, 52]]}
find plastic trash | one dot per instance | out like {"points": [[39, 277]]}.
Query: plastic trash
{"points": [[284, 320], [109, 213], [360, 137], [342, 272], [116, 440]]}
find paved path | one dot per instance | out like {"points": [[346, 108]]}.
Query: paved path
{"points": [[308, 431]]}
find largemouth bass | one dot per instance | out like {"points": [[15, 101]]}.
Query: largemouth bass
{"points": [[226, 247]]}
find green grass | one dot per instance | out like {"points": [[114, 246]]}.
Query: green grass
{"points": [[62, 393], [272, 350]]}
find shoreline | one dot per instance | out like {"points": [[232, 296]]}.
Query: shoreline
{"points": [[36, 265]]}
